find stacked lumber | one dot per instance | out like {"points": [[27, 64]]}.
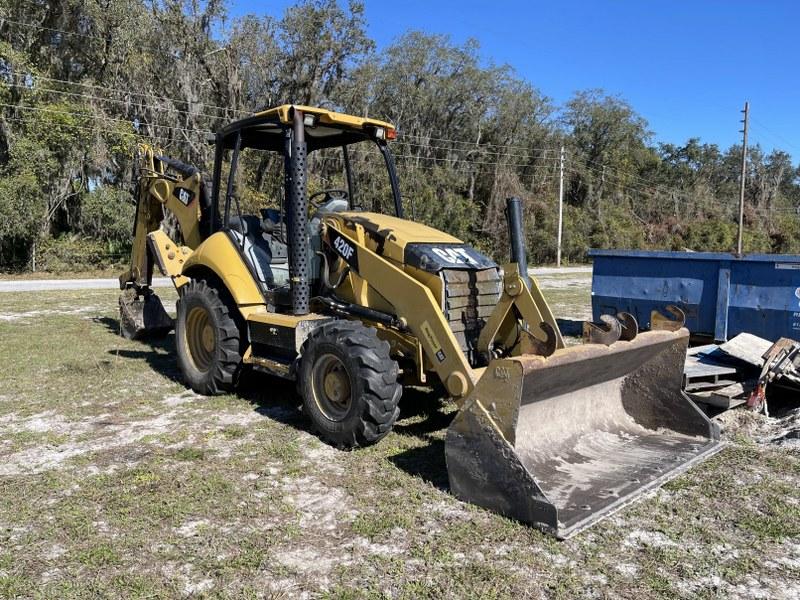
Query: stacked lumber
{"points": [[725, 375]]}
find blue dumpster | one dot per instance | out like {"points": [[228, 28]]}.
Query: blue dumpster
{"points": [[722, 294]]}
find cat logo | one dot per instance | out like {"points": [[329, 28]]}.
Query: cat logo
{"points": [[502, 373], [183, 195], [454, 256]]}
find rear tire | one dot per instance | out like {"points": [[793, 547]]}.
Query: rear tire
{"points": [[348, 384], [207, 339]]}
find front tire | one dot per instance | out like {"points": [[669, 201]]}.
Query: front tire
{"points": [[348, 384], [207, 339]]}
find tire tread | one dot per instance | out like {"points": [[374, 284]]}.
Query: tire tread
{"points": [[380, 391]]}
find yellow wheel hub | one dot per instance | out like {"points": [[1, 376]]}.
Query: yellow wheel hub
{"points": [[201, 338], [330, 384], [208, 338]]}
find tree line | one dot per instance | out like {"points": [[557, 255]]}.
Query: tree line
{"points": [[82, 82]]}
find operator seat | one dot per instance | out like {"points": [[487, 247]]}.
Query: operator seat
{"points": [[266, 256]]}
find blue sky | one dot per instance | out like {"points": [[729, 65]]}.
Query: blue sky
{"points": [[687, 67]]}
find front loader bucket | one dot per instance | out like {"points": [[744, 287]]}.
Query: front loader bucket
{"points": [[142, 315], [560, 442]]}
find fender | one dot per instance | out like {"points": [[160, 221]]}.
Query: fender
{"points": [[218, 254]]}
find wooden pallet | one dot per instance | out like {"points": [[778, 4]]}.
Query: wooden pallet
{"points": [[699, 374]]}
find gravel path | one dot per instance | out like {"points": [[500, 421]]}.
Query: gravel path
{"points": [[37, 285]]}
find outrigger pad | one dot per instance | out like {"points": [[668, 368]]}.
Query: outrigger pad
{"points": [[560, 442], [143, 316]]}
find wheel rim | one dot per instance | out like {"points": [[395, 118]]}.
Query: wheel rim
{"points": [[330, 384], [201, 338]]}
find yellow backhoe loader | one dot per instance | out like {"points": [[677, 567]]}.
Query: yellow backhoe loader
{"points": [[356, 304]]}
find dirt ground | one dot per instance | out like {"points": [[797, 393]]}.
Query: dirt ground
{"points": [[115, 481]]}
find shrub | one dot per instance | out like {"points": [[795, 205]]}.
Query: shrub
{"points": [[22, 212]]}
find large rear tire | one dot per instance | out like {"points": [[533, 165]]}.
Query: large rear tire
{"points": [[348, 384], [207, 339]]}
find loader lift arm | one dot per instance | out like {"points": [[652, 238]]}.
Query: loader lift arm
{"points": [[415, 305]]}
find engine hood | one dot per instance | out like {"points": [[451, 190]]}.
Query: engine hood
{"points": [[418, 245], [400, 231]]}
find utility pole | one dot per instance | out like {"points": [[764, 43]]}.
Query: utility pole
{"points": [[746, 119], [560, 205]]}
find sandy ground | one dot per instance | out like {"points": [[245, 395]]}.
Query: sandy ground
{"points": [[116, 481]]}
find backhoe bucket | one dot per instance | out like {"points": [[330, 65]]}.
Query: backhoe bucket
{"points": [[563, 441], [141, 315]]}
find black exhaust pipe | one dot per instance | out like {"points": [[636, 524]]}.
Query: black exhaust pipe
{"points": [[516, 238], [297, 217]]}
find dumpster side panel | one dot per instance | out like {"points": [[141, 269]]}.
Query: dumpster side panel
{"points": [[765, 299], [722, 294], [639, 285]]}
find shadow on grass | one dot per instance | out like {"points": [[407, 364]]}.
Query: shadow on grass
{"points": [[426, 462], [423, 413], [272, 397], [158, 352]]}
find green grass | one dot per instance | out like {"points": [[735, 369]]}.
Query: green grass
{"points": [[114, 491]]}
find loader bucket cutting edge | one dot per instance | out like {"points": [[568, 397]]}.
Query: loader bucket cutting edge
{"points": [[560, 442]]}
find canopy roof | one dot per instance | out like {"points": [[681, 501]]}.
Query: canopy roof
{"points": [[264, 130]]}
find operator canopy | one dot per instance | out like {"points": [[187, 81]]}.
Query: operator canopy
{"points": [[323, 129]]}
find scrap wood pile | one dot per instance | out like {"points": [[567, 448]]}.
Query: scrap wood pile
{"points": [[740, 371]]}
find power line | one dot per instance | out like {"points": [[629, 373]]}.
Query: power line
{"points": [[777, 136], [640, 179], [103, 117], [467, 161], [452, 141], [646, 190], [479, 148], [132, 93], [408, 157], [535, 164], [95, 129], [528, 165], [115, 101], [54, 30]]}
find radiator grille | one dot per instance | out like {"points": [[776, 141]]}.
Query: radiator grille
{"points": [[470, 297]]}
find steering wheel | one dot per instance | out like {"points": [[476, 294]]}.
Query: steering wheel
{"points": [[333, 194]]}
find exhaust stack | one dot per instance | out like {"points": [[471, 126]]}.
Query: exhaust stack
{"points": [[516, 237], [297, 217]]}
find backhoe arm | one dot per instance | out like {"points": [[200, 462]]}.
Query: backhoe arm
{"points": [[171, 192], [162, 195]]}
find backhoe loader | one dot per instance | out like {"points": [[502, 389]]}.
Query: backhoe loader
{"points": [[355, 304]]}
